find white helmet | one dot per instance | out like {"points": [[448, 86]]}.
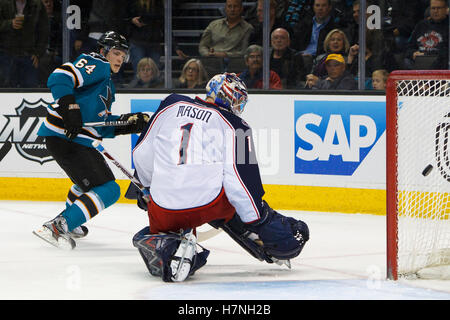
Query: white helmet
{"points": [[228, 91]]}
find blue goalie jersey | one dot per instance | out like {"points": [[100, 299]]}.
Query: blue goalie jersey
{"points": [[88, 78]]}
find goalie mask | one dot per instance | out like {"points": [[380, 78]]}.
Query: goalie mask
{"points": [[228, 91], [112, 40]]}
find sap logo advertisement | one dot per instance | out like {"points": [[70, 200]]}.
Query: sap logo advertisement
{"points": [[334, 137]]}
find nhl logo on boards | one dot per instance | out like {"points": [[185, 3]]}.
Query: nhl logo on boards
{"points": [[21, 129]]}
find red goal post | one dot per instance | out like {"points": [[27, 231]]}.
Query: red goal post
{"points": [[417, 186]]}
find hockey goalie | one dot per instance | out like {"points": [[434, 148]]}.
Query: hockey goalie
{"points": [[198, 161]]}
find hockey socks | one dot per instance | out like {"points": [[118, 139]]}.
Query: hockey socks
{"points": [[83, 206]]}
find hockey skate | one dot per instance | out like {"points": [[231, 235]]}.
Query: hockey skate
{"points": [[79, 232], [56, 233], [183, 259]]}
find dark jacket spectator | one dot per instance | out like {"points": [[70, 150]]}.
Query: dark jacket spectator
{"points": [[285, 61], [24, 32], [145, 30], [430, 36]]}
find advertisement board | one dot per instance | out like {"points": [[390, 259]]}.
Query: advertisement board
{"points": [[303, 142]]}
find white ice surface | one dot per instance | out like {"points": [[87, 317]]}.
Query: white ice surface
{"points": [[344, 259]]}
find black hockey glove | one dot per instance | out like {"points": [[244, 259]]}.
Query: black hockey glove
{"points": [[282, 237], [137, 122], [71, 115]]}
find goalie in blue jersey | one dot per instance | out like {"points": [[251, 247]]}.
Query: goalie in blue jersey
{"points": [[83, 92]]}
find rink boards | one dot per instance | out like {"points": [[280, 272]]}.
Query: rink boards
{"points": [[316, 153]]}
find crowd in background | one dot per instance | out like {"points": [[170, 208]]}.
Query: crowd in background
{"points": [[314, 44]]}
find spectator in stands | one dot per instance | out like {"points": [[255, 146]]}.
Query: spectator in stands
{"points": [[52, 57], [335, 42], [104, 15], [430, 36], [309, 34], [226, 37], [252, 76], [338, 77], [285, 61], [79, 34], [274, 22], [146, 30], [379, 78], [193, 76], [373, 60], [404, 15], [147, 75], [24, 37], [297, 10]]}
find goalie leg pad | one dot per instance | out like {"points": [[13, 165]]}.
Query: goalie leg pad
{"points": [[160, 253]]}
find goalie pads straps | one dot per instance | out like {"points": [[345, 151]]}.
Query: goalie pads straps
{"points": [[162, 253]]}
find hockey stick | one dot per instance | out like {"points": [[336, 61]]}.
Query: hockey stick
{"points": [[201, 236], [5, 149], [136, 182], [106, 123]]}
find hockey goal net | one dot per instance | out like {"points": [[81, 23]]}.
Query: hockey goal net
{"points": [[418, 174]]}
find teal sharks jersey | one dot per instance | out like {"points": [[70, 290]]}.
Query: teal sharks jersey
{"points": [[88, 78]]}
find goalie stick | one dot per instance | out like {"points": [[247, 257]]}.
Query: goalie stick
{"points": [[201, 236], [5, 149]]}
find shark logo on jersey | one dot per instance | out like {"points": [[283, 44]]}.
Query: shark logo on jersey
{"points": [[107, 102], [21, 129], [334, 137]]}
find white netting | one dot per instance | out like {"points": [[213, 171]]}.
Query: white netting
{"points": [[423, 129]]}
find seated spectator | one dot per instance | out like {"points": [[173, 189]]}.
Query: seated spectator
{"points": [[52, 57], [146, 30], [24, 32], [253, 76], [226, 37], [335, 42], [193, 76], [373, 61], [352, 30], [430, 36], [274, 23], [309, 34], [405, 14], [285, 61], [379, 78], [147, 75], [338, 78], [297, 10]]}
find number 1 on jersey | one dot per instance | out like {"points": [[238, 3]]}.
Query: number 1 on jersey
{"points": [[185, 135]]}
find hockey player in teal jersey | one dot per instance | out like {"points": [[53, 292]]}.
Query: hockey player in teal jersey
{"points": [[83, 92]]}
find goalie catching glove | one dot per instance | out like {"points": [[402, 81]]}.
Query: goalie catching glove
{"points": [[136, 123], [282, 237], [272, 238], [71, 115]]}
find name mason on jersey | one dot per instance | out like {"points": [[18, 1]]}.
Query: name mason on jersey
{"points": [[193, 112]]}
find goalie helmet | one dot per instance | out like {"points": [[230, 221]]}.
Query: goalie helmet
{"points": [[228, 91], [113, 40]]}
